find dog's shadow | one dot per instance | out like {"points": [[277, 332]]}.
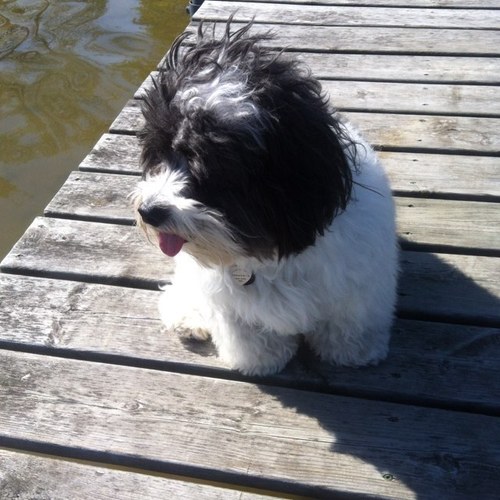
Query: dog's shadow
{"points": [[404, 427], [395, 417]]}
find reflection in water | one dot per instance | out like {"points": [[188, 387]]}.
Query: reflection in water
{"points": [[66, 69]]}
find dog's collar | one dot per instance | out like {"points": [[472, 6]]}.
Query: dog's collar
{"points": [[242, 276]]}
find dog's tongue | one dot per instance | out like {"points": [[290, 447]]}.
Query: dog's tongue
{"points": [[171, 244]]}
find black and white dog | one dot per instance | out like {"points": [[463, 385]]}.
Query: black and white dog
{"points": [[279, 216]]}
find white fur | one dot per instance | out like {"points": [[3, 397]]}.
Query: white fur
{"points": [[339, 293], [228, 97], [207, 235]]}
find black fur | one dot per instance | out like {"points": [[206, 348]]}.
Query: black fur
{"points": [[280, 177]]}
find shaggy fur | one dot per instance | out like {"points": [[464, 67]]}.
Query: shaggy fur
{"points": [[249, 176]]}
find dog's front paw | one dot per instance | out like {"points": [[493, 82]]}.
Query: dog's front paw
{"points": [[187, 331], [188, 325]]}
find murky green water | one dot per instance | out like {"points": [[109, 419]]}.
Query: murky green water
{"points": [[66, 70]]}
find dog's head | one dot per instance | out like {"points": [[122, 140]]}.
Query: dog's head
{"points": [[242, 155]]}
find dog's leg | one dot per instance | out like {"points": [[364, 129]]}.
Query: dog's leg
{"points": [[181, 314], [252, 351]]}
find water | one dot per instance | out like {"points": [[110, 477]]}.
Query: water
{"points": [[66, 70]]}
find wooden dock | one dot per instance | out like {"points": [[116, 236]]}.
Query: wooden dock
{"points": [[97, 401]]}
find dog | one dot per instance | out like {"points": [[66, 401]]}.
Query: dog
{"points": [[278, 213]]}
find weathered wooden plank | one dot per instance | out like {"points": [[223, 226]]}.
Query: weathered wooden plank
{"points": [[313, 444], [437, 223], [404, 97], [443, 175], [380, 40], [469, 70], [401, 68], [114, 153], [129, 120], [429, 133], [425, 133], [26, 476], [87, 251], [409, 172], [426, 359], [458, 287], [446, 287], [329, 15], [99, 197], [84, 317], [447, 224], [414, 98]]}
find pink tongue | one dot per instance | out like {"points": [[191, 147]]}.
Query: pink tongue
{"points": [[171, 244]]}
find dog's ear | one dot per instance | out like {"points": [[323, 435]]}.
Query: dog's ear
{"points": [[159, 124], [160, 117], [309, 176]]}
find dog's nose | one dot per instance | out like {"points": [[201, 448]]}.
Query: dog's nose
{"points": [[154, 215]]}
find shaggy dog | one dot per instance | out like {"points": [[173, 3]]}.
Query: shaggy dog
{"points": [[278, 214]]}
